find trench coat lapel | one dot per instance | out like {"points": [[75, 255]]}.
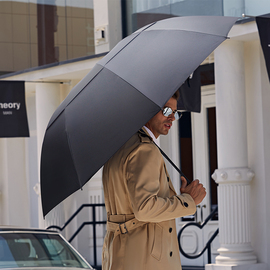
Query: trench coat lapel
{"points": [[170, 182]]}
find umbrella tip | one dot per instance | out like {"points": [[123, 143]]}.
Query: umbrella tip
{"points": [[247, 16]]}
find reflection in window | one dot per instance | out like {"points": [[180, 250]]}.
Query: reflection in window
{"points": [[40, 32], [139, 13]]}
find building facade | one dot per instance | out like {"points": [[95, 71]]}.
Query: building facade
{"points": [[226, 146]]}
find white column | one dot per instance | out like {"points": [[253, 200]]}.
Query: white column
{"points": [[258, 112], [47, 100], [107, 20], [31, 161], [234, 216], [14, 204], [233, 175], [101, 23]]}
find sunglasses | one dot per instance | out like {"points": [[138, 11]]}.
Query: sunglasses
{"points": [[167, 111]]}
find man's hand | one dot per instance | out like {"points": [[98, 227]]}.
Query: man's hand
{"points": [[195, 189]]}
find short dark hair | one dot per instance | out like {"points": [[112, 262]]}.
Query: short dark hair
{"points": [[176, 95]]}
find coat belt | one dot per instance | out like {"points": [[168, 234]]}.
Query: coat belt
{"points": [[122, 224], [120, 218]]}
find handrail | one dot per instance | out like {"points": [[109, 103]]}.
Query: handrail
{"points": [[74, 215], [207, 245], [93, 222]]}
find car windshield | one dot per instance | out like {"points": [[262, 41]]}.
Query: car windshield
{"points": [[37, 250]]}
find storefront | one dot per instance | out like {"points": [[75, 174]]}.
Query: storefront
{"points": [[226, 146]]}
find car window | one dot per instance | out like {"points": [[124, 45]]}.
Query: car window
{"points": [[37, 250]]}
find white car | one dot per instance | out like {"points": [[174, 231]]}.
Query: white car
{"points": [[37, 249]]}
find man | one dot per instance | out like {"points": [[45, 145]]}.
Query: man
{"points": [[142, 204]]}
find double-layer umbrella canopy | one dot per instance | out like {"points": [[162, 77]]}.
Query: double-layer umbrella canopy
{"points": [[119, 95]]}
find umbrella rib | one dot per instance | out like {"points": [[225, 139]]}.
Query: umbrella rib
{"points": [[132, 86], [69, 145], [63, 110], [135, 36], [190, 31]]}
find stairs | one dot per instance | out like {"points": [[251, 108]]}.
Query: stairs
{"points": [[183, 268], [192, 267]]}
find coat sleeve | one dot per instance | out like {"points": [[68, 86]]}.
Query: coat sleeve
{"points": [[143, 173]]}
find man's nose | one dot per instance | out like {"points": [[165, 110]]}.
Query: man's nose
{"points": [[171, 116]]}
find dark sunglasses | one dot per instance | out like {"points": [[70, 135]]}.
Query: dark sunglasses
{"points": [[167, 111]]}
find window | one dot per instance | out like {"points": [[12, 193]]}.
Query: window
{"points": [[40, 32]]}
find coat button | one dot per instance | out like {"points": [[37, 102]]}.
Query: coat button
{"points": [[170, 230], [171, 254], [185, 204]]}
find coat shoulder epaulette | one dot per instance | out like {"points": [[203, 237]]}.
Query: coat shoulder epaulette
{"points": [[145, 138]]}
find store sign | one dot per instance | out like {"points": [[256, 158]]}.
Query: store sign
{"points": [[190, 93], [13, 117], [263, 24]]}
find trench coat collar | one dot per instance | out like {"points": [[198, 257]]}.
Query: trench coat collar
{"points": [[150, 133], [144, 135]]}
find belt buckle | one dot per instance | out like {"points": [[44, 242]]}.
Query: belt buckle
{"points": [[126, 231]]}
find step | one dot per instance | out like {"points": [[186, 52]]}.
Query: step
{"points": [[190, 267], [183, 267]]}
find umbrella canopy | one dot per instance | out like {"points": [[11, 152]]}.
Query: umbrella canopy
{"points": [[120, 94]]}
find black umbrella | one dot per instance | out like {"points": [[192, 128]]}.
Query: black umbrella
{"points": [[121, 93]]}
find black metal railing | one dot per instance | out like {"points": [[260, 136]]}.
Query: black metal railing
{"points": [[94, 222], [207, 245]]}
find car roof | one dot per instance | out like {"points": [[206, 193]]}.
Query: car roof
{"points": [[22, 229]]}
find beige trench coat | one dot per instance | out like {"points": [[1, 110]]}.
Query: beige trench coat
{"points": [[141, 205]]}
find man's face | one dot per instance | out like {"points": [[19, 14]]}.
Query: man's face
{"points": [[161, 124]]}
